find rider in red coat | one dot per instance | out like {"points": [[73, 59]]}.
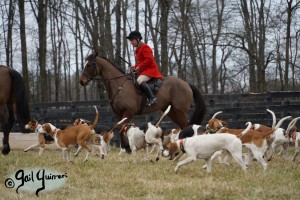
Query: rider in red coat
{"points": [[146, 67]]}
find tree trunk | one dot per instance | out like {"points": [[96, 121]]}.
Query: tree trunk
{"points": [[118, 35], [248, 23], [42, 50], [261, 66], [215, 39], [108, 32], [164, 6], [10, 22], [24, 47]]}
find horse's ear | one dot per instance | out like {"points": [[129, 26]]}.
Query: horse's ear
{"points": [[96, 54]]}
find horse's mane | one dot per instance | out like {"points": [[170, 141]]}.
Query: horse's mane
{"points": [[91, 57]]}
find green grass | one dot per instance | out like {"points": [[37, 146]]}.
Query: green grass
{"points": [[117, 177]]}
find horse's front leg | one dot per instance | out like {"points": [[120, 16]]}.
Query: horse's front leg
{"points": [[124, 143]]}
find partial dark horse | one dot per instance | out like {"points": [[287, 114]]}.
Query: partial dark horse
{"points": [[12, 95], [126, 100]]}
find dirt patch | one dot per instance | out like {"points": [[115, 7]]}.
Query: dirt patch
{"points": [[22, 141]]}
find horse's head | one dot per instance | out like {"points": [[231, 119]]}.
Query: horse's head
{"points": [[89, 70]]}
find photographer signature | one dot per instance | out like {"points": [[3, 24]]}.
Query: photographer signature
{"points": [[35, 180]]}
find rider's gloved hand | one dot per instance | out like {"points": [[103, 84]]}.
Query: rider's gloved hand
{"points": [[132, 68]]}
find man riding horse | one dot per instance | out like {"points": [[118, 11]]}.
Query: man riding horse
{"points": [[146, 67]]}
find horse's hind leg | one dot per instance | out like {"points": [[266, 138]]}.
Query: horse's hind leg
{"points": [[6, 127], [179, 117]]}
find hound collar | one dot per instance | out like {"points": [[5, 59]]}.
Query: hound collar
{"points": [[181, 146], [210, 131]]}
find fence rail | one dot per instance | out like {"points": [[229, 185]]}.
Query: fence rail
{"points": [[237, 110]]}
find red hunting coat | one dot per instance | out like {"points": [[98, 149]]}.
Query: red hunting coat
{"points": [[146, 62]]}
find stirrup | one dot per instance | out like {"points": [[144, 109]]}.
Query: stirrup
{"points": [[150, 102]]}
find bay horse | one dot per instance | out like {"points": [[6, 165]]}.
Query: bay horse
{"points": [[126, 100], [12, 95]]}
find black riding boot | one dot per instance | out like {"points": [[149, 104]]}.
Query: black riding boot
{"points": [[151, 98]]}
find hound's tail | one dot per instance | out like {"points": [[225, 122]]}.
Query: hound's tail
{"points": [[115, 126], [281, 121], [291, 125], [274, 125], [249, 125], [96, 119], [163, 115], [214, 116], [273, 117]]}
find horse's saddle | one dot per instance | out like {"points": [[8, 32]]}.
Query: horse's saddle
{"points": [[153, 83]]}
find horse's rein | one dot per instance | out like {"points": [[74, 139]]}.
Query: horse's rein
{"points": [[111, 100], [107, 79]]}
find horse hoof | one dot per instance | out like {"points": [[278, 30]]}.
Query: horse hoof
{"points": [[5, 150]]}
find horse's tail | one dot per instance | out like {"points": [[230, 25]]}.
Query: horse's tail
{"points": [[200, 106], [20, 95]]}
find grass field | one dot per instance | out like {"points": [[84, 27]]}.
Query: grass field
{"points": [[117, 177]]}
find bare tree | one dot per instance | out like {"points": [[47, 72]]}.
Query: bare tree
{"points": [[153, 27], [55, 33], [290, 9], [118, 34], [10, 23], [108, 41], [164, 7], [40, 12], [23, 46], [215, 35]]}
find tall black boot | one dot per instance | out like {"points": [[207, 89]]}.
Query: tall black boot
{"points": [[151, 98]]}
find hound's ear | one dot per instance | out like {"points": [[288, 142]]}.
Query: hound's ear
{"points": [[177, 130], [47, 127], [75, 122], [172, 147]]}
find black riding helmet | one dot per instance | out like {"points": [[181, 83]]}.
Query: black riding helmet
{"points": [[134, 35]]}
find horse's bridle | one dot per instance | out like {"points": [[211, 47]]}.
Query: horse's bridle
{"points": [[89, 76], [92, 78]]}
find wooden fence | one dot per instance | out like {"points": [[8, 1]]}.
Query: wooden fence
{"points": [[237, 110]]}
